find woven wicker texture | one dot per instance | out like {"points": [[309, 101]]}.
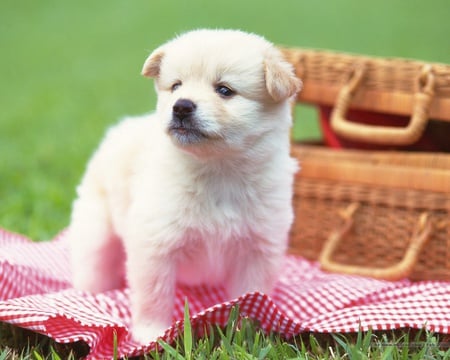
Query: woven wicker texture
{"points": [[384, 214], [388, 213], [388, 84]]}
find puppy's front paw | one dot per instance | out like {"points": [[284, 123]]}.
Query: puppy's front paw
{"points": [[144, 334]]}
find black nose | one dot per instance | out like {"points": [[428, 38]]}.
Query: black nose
{"points": [[183, 108]]}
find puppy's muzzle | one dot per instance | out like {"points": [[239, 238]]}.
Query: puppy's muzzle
{"points": [[184, 126], [183, 111]]}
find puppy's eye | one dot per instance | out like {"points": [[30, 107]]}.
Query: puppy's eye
{"points": [[224, 91], [175, 86]]}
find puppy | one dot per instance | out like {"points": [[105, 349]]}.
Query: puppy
{"points": [[198, 192]]}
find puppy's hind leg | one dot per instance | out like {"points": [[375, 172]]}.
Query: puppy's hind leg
{"points": [[256, 271], [97, 255]]}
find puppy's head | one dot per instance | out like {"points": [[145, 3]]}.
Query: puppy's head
{"points": [[220, 90]]}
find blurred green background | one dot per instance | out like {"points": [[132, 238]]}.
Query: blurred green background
{"points": [[68, 69]]}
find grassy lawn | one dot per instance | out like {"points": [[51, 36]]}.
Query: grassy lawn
{"points": [[243, 340], [70, 69]]}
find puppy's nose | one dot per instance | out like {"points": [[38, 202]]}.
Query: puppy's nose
{"points": [[183, 108]]}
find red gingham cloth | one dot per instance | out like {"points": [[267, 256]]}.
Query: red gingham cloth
{"points": [[35, 293]]}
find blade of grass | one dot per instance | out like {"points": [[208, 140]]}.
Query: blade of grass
{"points": [[5, 354], [225, 342], [37, 355], [170, 350], [115, 346], [187, 332], [55, 355]]}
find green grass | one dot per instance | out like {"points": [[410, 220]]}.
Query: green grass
{"points": [[70, 69], [242, 339]]}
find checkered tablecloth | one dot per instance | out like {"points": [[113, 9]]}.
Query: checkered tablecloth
{"points": [[35, 293]]}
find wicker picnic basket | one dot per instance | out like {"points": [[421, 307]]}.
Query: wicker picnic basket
{"points": [[384, 214], [379, 214], [413, 95]]}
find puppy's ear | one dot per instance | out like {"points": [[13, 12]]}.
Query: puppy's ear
{"points": [[153, 63], [281, 81]]}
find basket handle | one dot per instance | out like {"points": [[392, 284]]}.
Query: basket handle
{"points": [[384, 135], [396, 272]]}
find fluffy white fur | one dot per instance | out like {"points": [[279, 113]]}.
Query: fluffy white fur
{"points": [[157, 206]]}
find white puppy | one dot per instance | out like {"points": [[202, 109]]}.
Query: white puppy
{"points": [[198, 192]]}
